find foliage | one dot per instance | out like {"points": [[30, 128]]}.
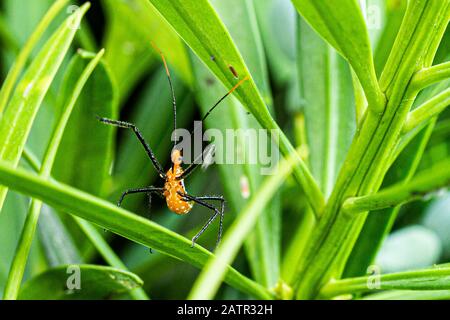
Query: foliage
{"points": [[355, 92]]}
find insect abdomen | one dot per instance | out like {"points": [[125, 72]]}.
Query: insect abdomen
{"points": [[174, 201]]}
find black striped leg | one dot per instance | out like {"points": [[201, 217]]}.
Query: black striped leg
{"points": [[148, 190], [201, 201], [148, 150]]}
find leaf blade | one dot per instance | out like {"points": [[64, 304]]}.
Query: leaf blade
{"points": [[343, 26], [17, 120], [119, 221], [96, 282], [212, 43]]}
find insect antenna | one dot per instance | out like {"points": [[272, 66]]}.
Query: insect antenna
{"points": [[194, 164], [223, 98], [174, 101]]}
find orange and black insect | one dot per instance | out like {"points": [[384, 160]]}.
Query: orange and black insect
{"points": [[173, 190]]}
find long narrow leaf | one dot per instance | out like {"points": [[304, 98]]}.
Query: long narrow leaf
{"points": [[212, 43], [344, 28], [27, 235], [17, 120], [119, 221], [326, 89], [209, 280], [263, 246], [79, 282], [24, 54]]}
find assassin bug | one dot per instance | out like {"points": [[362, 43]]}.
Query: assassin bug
{"points": [[174, 191]]}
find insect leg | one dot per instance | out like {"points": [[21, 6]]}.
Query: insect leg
{"points": [[147, 190], [201, 201], [127, 125]]}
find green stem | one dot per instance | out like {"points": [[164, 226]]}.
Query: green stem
{"points": [[427, 110], [367, 162], [425, 183], [360, 99], [26, 238], [428, 76], [407, 137], [410, 21], [436, 278], [22, 58], [209, 280], [409, 295]]}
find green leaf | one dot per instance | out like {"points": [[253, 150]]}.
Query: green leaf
{"points": [[379, 224], [14, 73], [54, 246], [120, 221], [212, 43], [423, 184], [394, 11], [211, 277], [131, 27], [343, 27], [57, 243], [436, 278], [263, 246], [90, 158], [326, 89], [11, 223], [275, 18], [96, 282], [86, 152], [17, 120], [27, 235]]}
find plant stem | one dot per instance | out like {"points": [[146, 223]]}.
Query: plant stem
{"points": [[360, 99], [428, 76], [22, 58], [27, 235], [413, 15], [425, 183], [427, 110], [409, 295], [436, 278], [367, 161], [377, 226]]}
